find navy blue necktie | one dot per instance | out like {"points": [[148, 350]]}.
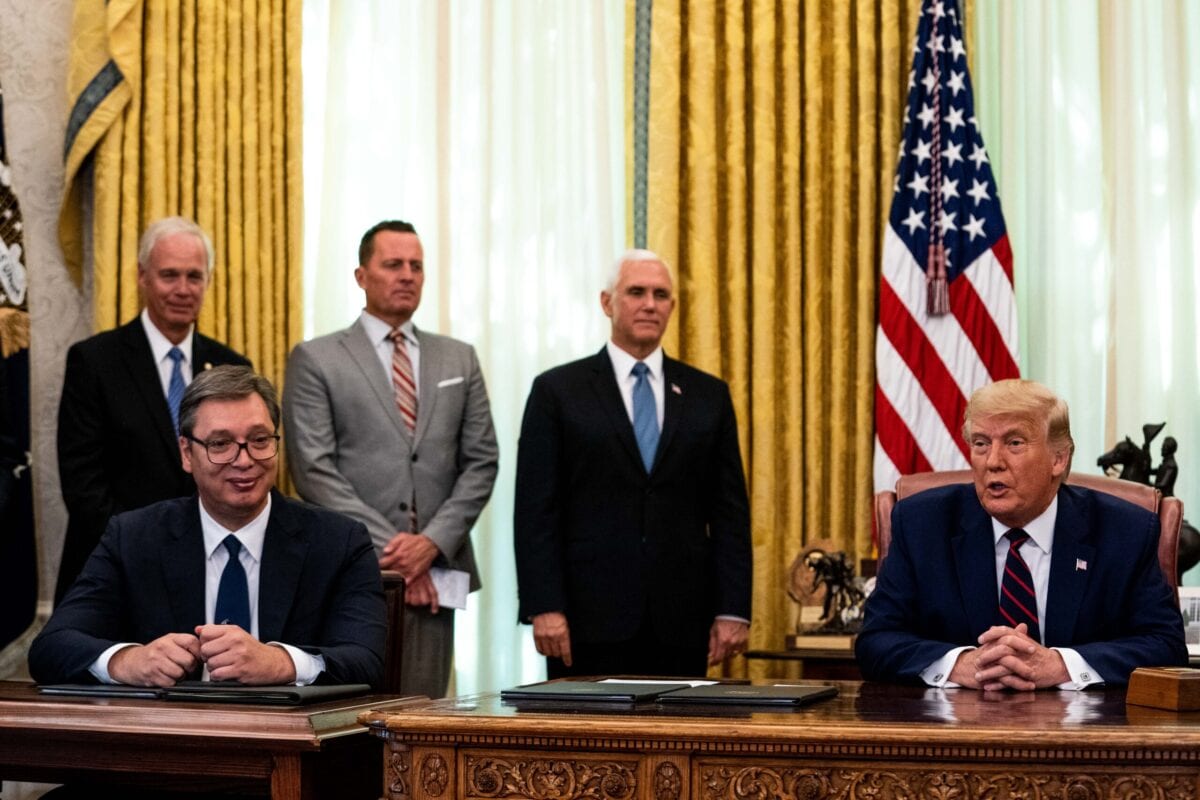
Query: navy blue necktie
{"points": [[645, 415], [1018, 601], [233, 593], [175, 387]]}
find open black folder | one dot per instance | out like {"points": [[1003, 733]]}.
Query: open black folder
{"points": [[668, 693], [589, 691], [746, 695], [214, 692]]}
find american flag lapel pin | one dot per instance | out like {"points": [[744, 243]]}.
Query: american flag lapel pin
{"points": [[1080, 565], [675, 388]]}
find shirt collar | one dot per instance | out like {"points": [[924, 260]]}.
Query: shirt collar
{"points": [[160, 345], [378, 330], [1040, 529], [251, 535], [623, 362]]}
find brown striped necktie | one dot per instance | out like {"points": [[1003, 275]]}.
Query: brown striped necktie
{"points": [[402, 380]]}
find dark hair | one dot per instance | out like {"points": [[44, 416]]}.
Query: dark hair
{"points": [[366, 248], [226, 382]]}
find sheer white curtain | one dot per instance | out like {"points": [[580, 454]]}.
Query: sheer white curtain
{"points": [[497, 128], [1092, 113]]}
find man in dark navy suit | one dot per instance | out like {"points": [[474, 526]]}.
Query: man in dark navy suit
{"points": [[1019, 581], [632, 526], [117, 447], [236, 582]]}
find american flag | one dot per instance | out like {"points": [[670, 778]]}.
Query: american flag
{"points": [[947, 313]]}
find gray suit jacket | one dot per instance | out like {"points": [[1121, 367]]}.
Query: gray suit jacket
{"points": [[348, 448]]}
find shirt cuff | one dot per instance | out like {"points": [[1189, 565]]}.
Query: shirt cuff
{"points": [[733, 618], [1081, 672], [308, 666], [99, 667], [938, 673]]}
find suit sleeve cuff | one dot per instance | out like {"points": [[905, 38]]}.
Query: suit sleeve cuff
{"points": [[938, 673], [1081, 672], [308, 666], [99, 667]]}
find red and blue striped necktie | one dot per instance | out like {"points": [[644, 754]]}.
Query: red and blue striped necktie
{"points": [[1018, 601]]}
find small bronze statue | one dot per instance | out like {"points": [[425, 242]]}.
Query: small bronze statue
{"points": [[1136, 465], [817, 570]]}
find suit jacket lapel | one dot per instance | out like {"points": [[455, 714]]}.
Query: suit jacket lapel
{"points": [[360, 348], [674, 404], [143, 373], [183, 564], [608, 395], [427, 383], [1067, 579], [201, 354], [975, 559], [284, 550]]}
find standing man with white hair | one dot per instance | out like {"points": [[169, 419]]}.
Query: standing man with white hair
{"points": [[632, 526], [118, 418]]}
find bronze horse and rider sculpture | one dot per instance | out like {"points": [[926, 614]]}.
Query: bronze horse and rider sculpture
{"points": [[1136, 465]]}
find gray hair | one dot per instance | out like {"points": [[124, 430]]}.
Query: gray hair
{"points": [[170, 226], [631, 255], [226, 382]]}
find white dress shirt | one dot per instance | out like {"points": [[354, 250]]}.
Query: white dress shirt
{"points": [[623, 370], [160, 345], [251, 536], [379, 332], [1036, 552]]}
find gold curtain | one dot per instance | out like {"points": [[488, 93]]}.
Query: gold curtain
{"points": [[771, 145], [192, 107]]}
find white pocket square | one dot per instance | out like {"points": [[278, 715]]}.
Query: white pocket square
{"points": [[450, 381]]}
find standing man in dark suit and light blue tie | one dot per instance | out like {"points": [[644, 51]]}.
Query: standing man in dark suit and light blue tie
{"points": [[632, 526], [238, 579], [1019, 581], [118, 417], [391, 425]]}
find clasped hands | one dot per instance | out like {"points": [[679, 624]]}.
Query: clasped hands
{"points": [[230, 653], [412, 554], [1007, 658]]}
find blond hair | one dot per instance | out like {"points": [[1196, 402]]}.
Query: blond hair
{"points": [[1028, 401]]}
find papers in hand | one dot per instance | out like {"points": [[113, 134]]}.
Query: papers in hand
{"points": [[453, 586]]}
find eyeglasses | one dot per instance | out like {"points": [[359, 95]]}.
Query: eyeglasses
{"points": [[227, 451]]}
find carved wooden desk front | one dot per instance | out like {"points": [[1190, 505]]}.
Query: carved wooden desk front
{"points": [[290, 753], [873, 742]]}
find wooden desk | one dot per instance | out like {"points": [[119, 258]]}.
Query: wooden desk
{"points": [[872, 741], [816, 663], [294, 752]]}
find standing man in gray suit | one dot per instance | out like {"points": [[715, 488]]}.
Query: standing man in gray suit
{"points": [[391, 425]]}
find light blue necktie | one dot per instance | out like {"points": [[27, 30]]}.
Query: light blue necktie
{"points": [[645, 415], [175, 387], [233, 593]]}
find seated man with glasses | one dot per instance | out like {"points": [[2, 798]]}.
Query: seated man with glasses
{"points": [[235, 583]]}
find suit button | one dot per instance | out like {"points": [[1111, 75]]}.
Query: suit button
{"points": [[414, 457], [404, 506]]}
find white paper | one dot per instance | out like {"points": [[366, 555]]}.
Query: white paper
{"points": [[453, 586], [658, 681]]}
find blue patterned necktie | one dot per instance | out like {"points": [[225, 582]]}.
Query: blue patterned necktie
{"points": [[233, 593], [175, 387], [1018, 601], [645, 415]]}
